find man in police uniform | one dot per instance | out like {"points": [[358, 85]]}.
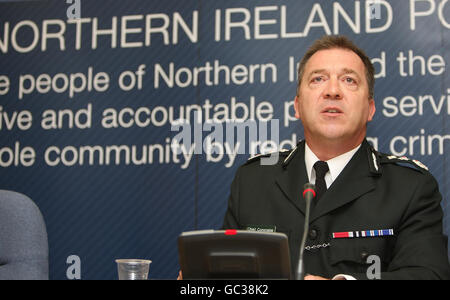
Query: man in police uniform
{"points": [[370, 207]]}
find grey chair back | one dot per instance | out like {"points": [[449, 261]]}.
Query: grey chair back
{"points": [[23, 238]]}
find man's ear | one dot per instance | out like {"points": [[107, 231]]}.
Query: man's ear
{"points": [[297, 107], [372, 110]]}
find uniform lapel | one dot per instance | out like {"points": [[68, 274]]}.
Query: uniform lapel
{"points": [[353, 182], [293, 176]]}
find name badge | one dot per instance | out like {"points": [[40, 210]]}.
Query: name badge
{"points": [[261, 228]]}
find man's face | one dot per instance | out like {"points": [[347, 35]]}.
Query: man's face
{"points": [[333, 98]]}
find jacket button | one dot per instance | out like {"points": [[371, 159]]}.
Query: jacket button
{"points": [[364, 256], [313, 234]]}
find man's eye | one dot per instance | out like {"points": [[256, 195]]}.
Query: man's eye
{"points": [[350, 80], [317, 79]]}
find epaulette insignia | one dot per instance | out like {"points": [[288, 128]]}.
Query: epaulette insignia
{"points": [[259, 156], [404, 159], [420, 164]]}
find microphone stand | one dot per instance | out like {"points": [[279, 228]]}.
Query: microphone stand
{"points": [[308, 194]]}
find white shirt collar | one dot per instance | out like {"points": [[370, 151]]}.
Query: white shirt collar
{"points": [[336, 165]]}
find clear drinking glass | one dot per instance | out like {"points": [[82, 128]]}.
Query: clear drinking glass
{"points": [[133, 269]]}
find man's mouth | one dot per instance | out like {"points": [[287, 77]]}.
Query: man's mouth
{"points": [[332, 110]]}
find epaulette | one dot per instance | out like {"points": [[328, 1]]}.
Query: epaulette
{"points": [[389, 159], [282, 152]]}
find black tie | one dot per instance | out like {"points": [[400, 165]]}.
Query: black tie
{"points": [[321, 168]]}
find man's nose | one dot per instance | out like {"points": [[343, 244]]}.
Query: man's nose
{"points": [[333, 90]]}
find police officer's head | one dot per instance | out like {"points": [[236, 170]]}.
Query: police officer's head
{"points": [[334, 97], [342, 42]]}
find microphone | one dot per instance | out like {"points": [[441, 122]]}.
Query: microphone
{"points": [[308, 194]]}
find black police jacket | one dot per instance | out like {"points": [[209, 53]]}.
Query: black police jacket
{"points": [[374, 192]]}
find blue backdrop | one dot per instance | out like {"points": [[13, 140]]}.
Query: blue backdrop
{"points": [[88, 90]]}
